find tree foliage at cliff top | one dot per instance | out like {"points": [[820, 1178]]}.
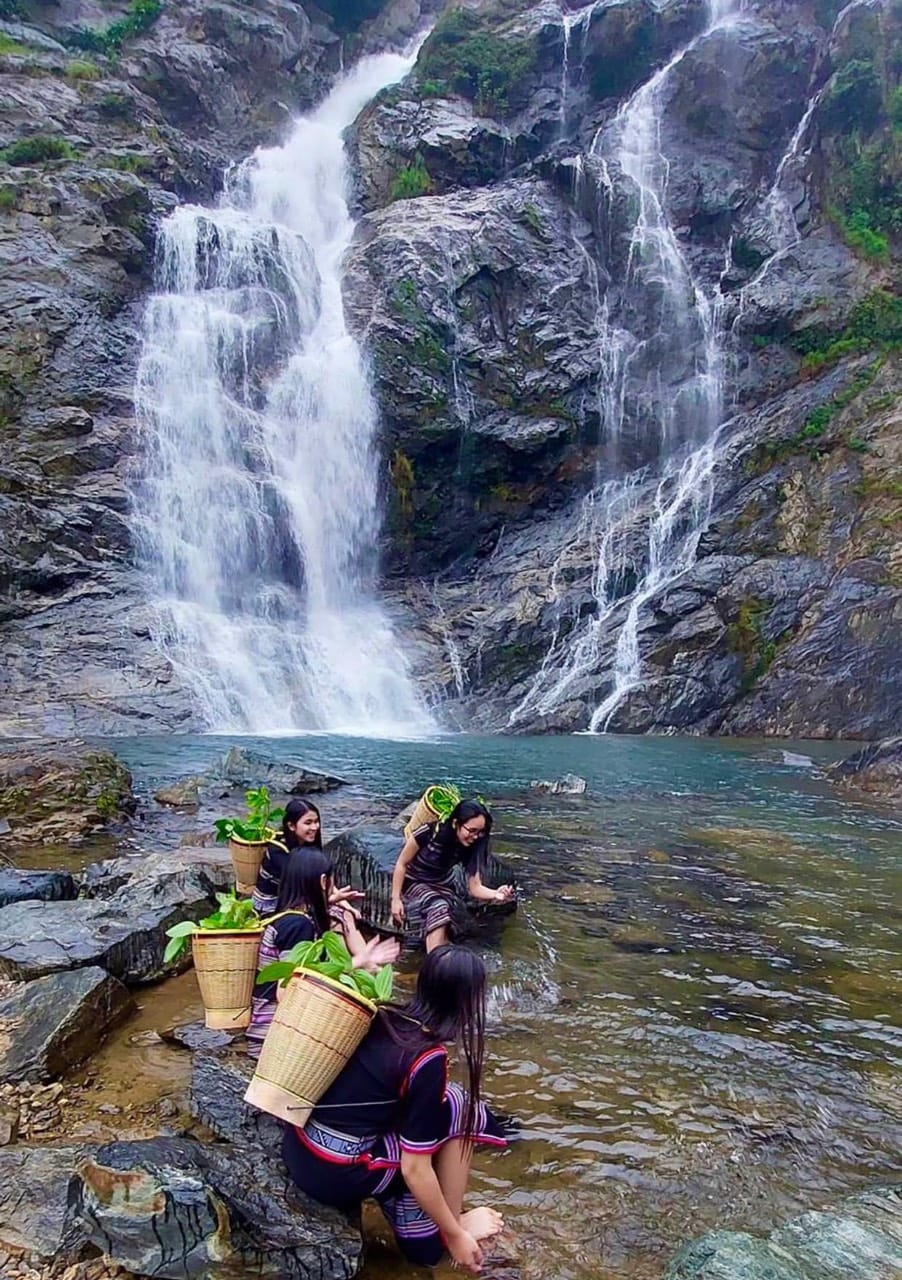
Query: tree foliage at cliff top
{"points": [[469, 53], [347, 15]]}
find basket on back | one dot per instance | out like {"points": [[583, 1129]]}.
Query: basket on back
{"points": [[225, 962], [317, 1026], [435, 804], [247, 856]]}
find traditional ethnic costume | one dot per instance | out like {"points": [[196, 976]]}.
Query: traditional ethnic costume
{"points": [[390, 1098], [269, 877], [282, 933], [430, 892]]}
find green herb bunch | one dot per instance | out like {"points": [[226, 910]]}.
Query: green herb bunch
{"points": [[329, 957], [259, 824], [233, 913], [443, 799]]}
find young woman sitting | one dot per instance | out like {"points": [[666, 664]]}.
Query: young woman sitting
{"points": [[301, 829], [392, 1127], [302, 914], [423, 878]]}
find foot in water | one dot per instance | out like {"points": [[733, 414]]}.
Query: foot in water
{"points": [[482, 1223]]}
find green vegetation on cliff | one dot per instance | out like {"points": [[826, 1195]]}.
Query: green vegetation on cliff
{"points": [[138, 17], [36, 150], [411, 181], [466, 56], [347, 15]]}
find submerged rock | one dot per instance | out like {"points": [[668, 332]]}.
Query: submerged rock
{"points": [[55, 1023], [122, 929], [44, 886], [62, 791], [877, 769], [179, 1210], [859, 1238], [568, 785]]}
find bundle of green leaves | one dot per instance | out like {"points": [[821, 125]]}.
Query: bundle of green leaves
{"points": [[232, 914], [443, 799], [329, 957], [258, 824]]}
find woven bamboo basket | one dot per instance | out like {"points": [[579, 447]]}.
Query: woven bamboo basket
{"points": [[317, 1026], [422, 814], [246, 858], [225, 962]]}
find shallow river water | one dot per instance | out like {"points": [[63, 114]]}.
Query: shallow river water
{"points": [[694, 1014]]}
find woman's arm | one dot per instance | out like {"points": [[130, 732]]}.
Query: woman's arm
{"points": [[405, 857], [418, 1172], [482, 893], [370, 955]]}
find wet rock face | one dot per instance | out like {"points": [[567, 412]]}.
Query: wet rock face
{"points": [[53, 1024], [46, 886], [877, 769], [174, 1208], [34, 1183]]}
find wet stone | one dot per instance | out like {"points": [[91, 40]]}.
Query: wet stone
{"points": [[176, 1209], [54, 1023], [219, 1081], [45, 886]]}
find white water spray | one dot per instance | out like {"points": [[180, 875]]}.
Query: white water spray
{"points": [[681, 339], [256, 507]]}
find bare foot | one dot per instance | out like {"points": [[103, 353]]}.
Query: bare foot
{"points": [[482, 1222]]}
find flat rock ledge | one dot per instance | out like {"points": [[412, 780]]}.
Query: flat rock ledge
{"points": [[859, 1238], [877, 769], [122, 928]]}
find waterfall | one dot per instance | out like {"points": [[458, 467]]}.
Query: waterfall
{"points": [[255, 505], [667, 503]]}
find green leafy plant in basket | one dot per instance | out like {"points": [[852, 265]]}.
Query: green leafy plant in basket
{"points": [[443, 799], [258, 825], [329, 957], [232, 915]]}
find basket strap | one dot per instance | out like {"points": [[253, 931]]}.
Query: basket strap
{"points": [[292, 911]]}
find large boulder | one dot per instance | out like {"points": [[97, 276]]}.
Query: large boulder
{"points": [[45, 886], [53, 1024], [178, 1210], [34, 1184], [123, 931], [60, 792], [876, 769], [219, 1080], [243, 767], [859, 1238], [366, 856]]}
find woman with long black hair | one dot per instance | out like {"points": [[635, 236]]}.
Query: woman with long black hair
{"points": [[423, 878], [303, 913], [301, 829], [392, 1127]]}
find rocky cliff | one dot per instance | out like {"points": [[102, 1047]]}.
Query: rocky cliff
{"points": [[589, 234]]}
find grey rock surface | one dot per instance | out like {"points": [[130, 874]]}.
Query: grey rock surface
{"points": [[55, 1023], [19, 885]]}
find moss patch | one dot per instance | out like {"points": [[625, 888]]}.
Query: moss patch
{"points": [[745, 638], [467, 54]]}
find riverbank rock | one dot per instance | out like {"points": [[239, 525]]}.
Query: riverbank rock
{"points": [[859, 1238], [877, 769], [60, 792], [122, 929], [242, 767], [219, 1080], [365, 857], [178, 1210], [45, 886], [53, 1024], [34, 1184]]}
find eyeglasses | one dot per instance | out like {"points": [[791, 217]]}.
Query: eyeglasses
{"points": [[472, 831]]}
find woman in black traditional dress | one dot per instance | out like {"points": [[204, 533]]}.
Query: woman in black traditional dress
{"points": [[301, 829], [303, 913], [392, 1127], [423, 878]]}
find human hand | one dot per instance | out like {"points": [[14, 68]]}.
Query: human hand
{"points": [[345, 894], [464, 1250], [504, 893], [397, 911], [376, 953]]}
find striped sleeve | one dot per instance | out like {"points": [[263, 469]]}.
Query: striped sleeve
{"points": [[423, 1126]]}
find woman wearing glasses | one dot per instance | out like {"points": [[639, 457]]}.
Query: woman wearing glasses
{"points": [[423, 879]]}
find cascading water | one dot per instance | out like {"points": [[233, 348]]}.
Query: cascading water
{"points": [[680, 338], [256, 505]]}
